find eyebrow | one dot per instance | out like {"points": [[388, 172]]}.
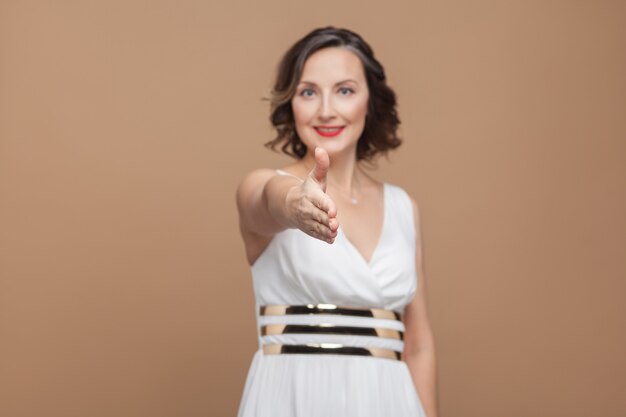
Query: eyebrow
{"points": [[337, 83]]}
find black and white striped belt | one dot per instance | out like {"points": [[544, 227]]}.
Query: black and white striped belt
{"points": [[378, 316]]}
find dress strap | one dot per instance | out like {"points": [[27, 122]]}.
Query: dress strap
{"points": [[281, 172]]}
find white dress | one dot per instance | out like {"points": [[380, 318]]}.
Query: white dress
{"points": [[296, 269]]}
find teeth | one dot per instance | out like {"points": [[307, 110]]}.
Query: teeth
{"points": [[325, 129]]}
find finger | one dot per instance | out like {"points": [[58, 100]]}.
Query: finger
{"points": [[321, 231], [327, 231], [319, 216], [315, 230], [325, 203], [320, 169], [332, 209], [319, 213], [333, 224]]}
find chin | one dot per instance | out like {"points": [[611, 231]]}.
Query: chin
{"points": [[335, 146], [336, 149]]}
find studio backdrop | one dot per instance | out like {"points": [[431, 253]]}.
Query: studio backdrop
{"points": [[125, 127]]}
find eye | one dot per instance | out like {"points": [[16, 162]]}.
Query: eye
{"points": [[307, 92], [345, 91]]}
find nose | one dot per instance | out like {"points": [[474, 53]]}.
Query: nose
{"points": [[326, 110]]}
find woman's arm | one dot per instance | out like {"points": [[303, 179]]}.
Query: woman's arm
{"points": [[419, 344], [269, 203], [261, 199]]}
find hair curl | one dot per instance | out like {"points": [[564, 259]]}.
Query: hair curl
{"points": [[381, 124]]}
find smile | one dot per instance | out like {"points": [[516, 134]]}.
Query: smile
{"points": [[329, 131]]}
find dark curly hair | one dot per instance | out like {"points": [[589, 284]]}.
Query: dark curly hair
{"points": [[381, 124]]}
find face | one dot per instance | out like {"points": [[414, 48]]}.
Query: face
{"points": [[330, 102]]}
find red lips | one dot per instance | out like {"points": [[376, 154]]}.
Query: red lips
{"points": [[330, 132]]}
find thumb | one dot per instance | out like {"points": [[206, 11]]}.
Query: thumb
{"points": [[320, 169]]}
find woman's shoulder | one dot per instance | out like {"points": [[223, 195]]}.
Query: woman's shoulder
{"points": [[404, 208], [262, 174], [397, 188], [294, 169], [255, 177], [403, 197]]}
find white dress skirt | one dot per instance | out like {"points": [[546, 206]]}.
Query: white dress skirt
{"points": [[329, 324]]}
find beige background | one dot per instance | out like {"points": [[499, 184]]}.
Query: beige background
{"points": [[125, 127]]}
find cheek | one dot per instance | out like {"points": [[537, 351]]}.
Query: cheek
{"points": [[302, 111], [355, 110]]}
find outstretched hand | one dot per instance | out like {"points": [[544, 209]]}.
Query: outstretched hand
{"points": [[312, 210]]}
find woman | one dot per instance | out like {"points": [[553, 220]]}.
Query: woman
{"points": [[335, 255]]}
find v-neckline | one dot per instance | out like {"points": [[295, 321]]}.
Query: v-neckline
{"points": [[380, 236]]}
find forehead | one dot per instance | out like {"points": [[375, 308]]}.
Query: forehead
{"points": [[329, 65]]}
